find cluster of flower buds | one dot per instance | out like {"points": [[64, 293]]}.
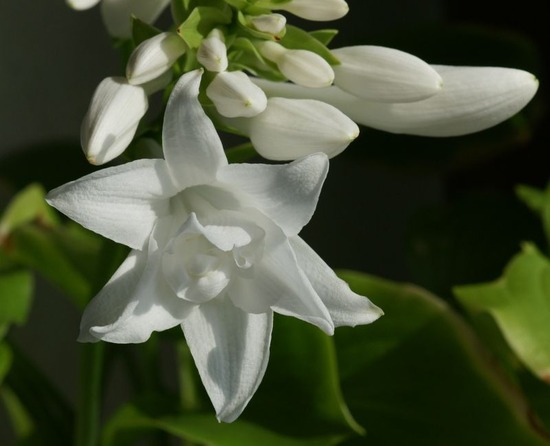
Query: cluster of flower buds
{"points": [[284, 88]]}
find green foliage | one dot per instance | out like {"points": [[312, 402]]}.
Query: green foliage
{"points": [[296, 38], [418, 376], [16, 288], [520, 303], [539, 202], [201, 21]]}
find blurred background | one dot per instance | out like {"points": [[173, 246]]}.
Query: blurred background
{"points": [[390, 203]]}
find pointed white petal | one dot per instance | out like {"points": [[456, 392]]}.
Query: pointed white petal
{"points": [[235, 95], [289, 129], [317, 10], [346, 308], [383, 74], [269, 23], [82, 4], [192, 147], [112, 119], [154, 57], [286, 193], [121, 203], [231, 351], [134, 303], [300, 66], [472, 99], [212, 52], [117, 14]]}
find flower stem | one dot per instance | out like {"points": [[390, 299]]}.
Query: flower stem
{"points": [[87, 428]]}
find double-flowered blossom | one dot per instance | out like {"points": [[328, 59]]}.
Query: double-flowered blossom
{"points": [[215, 249], [117, 14]]}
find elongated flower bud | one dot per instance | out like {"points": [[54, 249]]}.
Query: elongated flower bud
{"points": [[317, 10], [212, 53], [291, 128], [300, 66], [234, 95], [154, 57], [82, 4], [117, 14], [269, 23], [112, 119], [384, 75], [473, 99]]}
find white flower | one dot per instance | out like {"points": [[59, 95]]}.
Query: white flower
{"points": [[269, 23], [153, 57], [318, 10], [117, 14], [472, 99], [215, 249], [383, 74], [291, 128], [300, 66], [212, 52], [112, 119], [235, 95]]}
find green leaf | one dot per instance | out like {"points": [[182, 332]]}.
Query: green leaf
{"points": [[27, 206], [539, 202], [5, 361], [201, 21], [142, 31], [245, 56], [16, 289], [418, 376], [520, 303], [20, 420], [296, 38], [301, 383], [324, 36]]}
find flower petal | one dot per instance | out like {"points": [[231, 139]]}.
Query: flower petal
{"points": [[117, 14], [383, 74], [121, 203], [133, 304], [318, 10], [286, 193], [346, 308], [153, 57], [231, 351], [192, 147], [112, 119], [82, 4]]}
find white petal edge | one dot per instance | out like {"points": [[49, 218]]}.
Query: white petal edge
{"points": [[316, 10], [231, 352], [117, 14], [346, 308], [288, 193], [82, 4], [121, 203], [191, 145]]}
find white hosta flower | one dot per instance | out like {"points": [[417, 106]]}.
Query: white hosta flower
{"points": [[215, 250], [269, 23], [291, 128], [235, 95], [212, 52], [472, 99], [153, 57], [117, 14], [317, 10], [383, 74], [300, 66], [112, 119]]}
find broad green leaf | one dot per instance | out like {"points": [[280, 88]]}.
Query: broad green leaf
{"points": [[131, 423], [324, 36], [201, 21], [27, 206], [142, 31], [296, 38], [245, 56], [239, 4], [16, 289], [520, 303], [301, 383], [418, 376], [21, 422], [539, 202], [5, 361]]}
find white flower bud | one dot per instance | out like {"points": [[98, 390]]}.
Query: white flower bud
{"points": [[269, 23], [235, 95], [317, 10], [384, 75], [292, 128], [112, 119], [154, 57], [300, 66], [212, 52], [82, 4]]}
